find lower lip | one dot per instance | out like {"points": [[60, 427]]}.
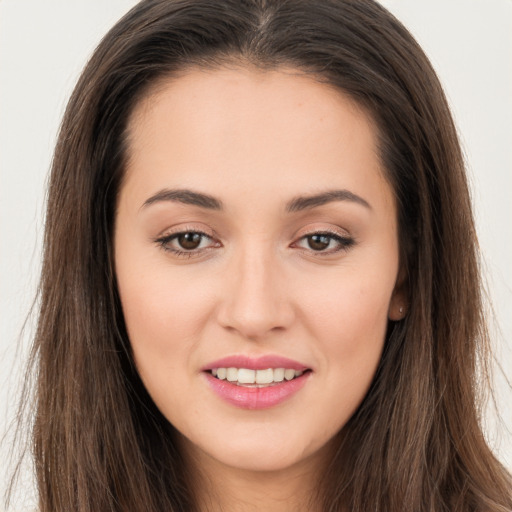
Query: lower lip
{"points": [[256, 398]]}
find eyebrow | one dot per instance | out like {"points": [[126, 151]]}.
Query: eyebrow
{"points": [[186, 197], [306, 202], [297, 204]]}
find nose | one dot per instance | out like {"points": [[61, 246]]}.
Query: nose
{"points": [[256, 300]]}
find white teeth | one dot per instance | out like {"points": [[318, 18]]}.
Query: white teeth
{"points": [[279, 375], [245, 376], [289, 374], [265, 376], [232, 374]]}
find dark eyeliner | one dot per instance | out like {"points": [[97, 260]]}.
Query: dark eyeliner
{"points": [[345, 243], [164, 241]]}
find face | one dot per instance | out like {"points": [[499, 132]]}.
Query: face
{"points": [[256, 254]]}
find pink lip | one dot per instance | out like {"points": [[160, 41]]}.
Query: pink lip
{"points": [[253, 397], [256, 398]]}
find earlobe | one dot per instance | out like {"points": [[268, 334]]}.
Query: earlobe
{"points": [[398, 304], [397, 311]]}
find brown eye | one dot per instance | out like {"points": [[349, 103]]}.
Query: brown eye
{"points": [[186, 243], [325, 243], [319, 242], [189, 241]]}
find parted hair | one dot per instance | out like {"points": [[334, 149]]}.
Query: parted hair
{"points": [[415, 443]]}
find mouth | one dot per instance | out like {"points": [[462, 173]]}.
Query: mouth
{"points": [[260, 383], [250, 378]]}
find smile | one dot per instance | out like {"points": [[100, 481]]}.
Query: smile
{"points": [[256, 383], [256, 378]]}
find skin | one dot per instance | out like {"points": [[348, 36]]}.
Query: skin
{"points": [[255, 141]]}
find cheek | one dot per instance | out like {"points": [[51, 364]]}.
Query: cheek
{"points": [[164, 312], [349, 320], [350, 310], [164, 316]]}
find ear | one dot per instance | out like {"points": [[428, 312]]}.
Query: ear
{"points": [[398, 304]]}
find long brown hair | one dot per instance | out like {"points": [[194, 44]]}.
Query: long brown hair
{"points": [[415, 443]]}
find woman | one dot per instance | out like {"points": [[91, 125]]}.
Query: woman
{"points": [[260, 288]]}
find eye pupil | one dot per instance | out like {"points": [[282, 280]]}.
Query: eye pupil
{"points": [[318, 242], [189, 240]]}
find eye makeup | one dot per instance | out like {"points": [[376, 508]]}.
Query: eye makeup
{"points": [[188, 243], [325, 243]]}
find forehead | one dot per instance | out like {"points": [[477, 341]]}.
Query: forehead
{"points": [[246, 98], [242, 127]]}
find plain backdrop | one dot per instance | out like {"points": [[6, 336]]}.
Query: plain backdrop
{"points": [[44, 45]]}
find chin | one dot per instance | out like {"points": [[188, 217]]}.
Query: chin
{"points": [[267, 453]]}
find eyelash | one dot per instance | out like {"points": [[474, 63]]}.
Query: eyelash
{"points": [[345, 243], [164, 242]]}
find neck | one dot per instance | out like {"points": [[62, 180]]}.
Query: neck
{"points": [[220, 488], [250, 491]]}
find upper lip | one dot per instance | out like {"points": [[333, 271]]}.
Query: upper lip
{"points": [[256, 363]]}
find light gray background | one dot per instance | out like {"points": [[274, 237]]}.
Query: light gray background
{"points": [[44, 45]]}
